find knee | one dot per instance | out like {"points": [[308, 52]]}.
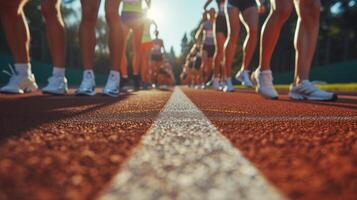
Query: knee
{"points": [[111, 15], [282, 12], [310, 13], [89, 17], [49, 10]]}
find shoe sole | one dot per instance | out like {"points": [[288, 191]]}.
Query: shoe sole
{"points": [[55, 93], [86, 94], [304, 98], [110, 95]]}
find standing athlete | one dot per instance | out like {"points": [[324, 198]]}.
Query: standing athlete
{"points": [[146, 46], [208, 50], [87, 42], [245, 11], [157, 58], [221, 33], [306, 34], [133, 20], [18, 37]]}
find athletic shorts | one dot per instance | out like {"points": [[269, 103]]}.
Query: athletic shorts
{"points": [[146, 46], [131, 17], [221, 25], [242, 4], [210, 50], [156, 57], [198, 63]]}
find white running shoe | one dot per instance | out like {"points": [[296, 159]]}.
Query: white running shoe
{"points": [[308, 91], [243, 77], [87, 87], [228, 87], [264, 83], [19, 84], [112, 88], [56, 85], [216, 84]]}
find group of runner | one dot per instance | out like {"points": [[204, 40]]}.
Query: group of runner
{"points": [[216, 43], [148, 55]]}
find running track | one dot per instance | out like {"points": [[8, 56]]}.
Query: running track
{"points": [[185, 144]]}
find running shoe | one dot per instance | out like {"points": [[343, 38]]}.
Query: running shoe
{"points": [[243, 77], [112, 88], [216, 84], [264, 83], [228, 87], [19, 84], [87, 87], [308, 91], [56, 85]]}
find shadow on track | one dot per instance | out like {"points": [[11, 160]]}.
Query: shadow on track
{"points": [[19, 114]]}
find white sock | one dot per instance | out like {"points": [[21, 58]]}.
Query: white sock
{"points": [[125, 76], [23, 68], [58, 72], [114, 73]]}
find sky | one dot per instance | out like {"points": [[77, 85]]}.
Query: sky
{"points": [[174, 18]]}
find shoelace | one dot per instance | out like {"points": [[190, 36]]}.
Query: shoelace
{"points": [[87, 81], [112, 82], [12, 74], [310, 88], [267, 80], [12, 71]]}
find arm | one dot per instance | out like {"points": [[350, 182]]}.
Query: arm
{"points": [[199, 32], [207, 4]]}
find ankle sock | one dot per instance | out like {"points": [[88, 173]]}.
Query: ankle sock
{"points": [[58, 72], [23, 68]]}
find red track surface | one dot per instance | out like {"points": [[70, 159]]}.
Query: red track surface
{"points": [[305, 158], [69, 147]]}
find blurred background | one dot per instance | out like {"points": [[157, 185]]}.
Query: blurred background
{"points": [[335, 60]]}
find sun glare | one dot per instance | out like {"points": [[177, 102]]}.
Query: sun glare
{"points": [[154, 14]]}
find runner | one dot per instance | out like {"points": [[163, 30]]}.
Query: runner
{"points": [[208, 50], [166, 75], [133, 20], [18, 37], [146, 46], [87, 44], [305, 43], [156, 58], [248, 13], [221, 32]]}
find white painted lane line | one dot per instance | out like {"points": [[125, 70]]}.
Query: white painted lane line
{"points": [[183, 156]]}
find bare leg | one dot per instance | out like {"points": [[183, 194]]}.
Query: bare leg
{"points": [[136, 44], [124, 60], [87, 38], [145, 54], [16, 29], [203, 67], [51, 10], [306, 34], [231, 43], [219, 55], [115, 32], [279, 13], [249, 18]]}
